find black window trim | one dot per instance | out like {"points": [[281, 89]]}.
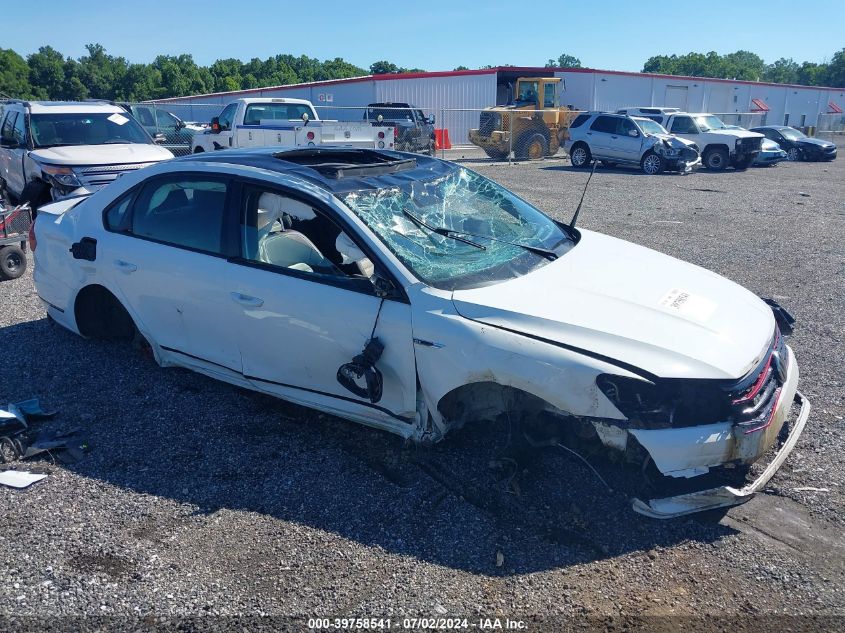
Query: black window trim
{"points": [[345, 283], [226, 239]]}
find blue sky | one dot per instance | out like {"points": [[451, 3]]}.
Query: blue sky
{"points": [[428, 34]]}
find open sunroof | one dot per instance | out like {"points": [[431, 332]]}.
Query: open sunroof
{"points": [[347, 162]]}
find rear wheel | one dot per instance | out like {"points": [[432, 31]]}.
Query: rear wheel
{"points": [[580, 156], [652, 164], [12, 262], [716, 159]]}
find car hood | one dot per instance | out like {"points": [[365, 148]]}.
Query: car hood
{"points": [[631, 304], [814, 141], [735, 133], [674, 141], [118, 153]]}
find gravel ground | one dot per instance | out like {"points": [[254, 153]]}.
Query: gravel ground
{"points": [[201, 499]]}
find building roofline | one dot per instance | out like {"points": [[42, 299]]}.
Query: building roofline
{"points": [[490, 71]]}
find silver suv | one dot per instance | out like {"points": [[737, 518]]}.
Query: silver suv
{"points": [[625, 140]]}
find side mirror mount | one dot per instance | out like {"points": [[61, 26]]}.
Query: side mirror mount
{"points": [[430, 120], [215, 125], [159, 139], [633, 133], [8, 142], [383, 287], [305, 118], [379, 118], [180, 125]]}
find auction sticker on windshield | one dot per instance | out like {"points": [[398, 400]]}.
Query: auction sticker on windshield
{"points": [[119, 119]]}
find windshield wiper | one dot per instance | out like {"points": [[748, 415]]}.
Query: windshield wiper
{"points": [[537, 250], [439, 230]]}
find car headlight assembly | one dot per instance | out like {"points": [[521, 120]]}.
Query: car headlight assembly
{"points": [[666, 403], [62, 177]]}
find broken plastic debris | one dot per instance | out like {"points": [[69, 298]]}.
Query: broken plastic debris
{"points": [[811, 489], [19, 478], [500, 559]]}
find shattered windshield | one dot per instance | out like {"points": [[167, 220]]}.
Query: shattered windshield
{"points": [[710, 122], [464, 203]]}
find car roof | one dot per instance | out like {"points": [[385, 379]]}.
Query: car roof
{"points": [[771, 127], [335, 169], [72, 107], [388, 104]]}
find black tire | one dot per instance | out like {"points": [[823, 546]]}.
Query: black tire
{"points": [[716, 159], [491, 153], [8, 450], [199, 150], [532, 146], [745, 163], [793, 154], [36, 193], [580, 156], [12, 262], [652, 163]]}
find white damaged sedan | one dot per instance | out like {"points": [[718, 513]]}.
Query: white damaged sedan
{"points": [[414, 295]]}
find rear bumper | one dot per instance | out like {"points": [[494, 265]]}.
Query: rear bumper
{"points": [[726, 496]]}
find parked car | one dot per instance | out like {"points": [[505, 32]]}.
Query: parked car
{"points": [[50, 150], [770, 154], [159, 122], [798, 146], [412, 295], [413, 131], [620, 139], [720, 145]]}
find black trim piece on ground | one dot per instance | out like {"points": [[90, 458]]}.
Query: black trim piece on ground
{"points": [[282, 384]]}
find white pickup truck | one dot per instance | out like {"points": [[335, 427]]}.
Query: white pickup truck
{"points": [[720, 146], [267, 122]]}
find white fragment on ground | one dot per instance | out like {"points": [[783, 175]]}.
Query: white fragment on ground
{"points": [[19, 478]]}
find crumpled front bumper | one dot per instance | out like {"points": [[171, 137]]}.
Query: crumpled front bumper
{"points": [[726, 496]]}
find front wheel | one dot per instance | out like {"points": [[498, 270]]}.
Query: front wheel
{"points": [[652, 164], [793, 154], [716, 159], [532, 147], [580, 156], [493, 153], [12, 262]]}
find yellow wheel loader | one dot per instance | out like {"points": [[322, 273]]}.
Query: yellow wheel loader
{"points": [[534, 127]]}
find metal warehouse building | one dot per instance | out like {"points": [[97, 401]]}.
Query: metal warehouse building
{"points": [[455, 97]]}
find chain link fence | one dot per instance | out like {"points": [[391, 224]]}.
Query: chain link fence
{"points": [[501, 133], [831, 127]]}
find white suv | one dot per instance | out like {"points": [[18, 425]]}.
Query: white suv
{"points": [[51, 150]]}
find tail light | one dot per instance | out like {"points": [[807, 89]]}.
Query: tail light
{"points": [[310, 136], [381, 134], [32, 241], [396, 132]]}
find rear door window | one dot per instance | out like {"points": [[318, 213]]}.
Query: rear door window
{"points": [[182, 211], [606, 124]]}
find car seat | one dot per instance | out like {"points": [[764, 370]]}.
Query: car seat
{"points": [[278, 244]]}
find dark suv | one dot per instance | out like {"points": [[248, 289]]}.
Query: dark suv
{"points": [[413, 131]]}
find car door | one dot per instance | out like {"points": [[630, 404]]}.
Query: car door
{"points": [[307, 308], [627, 142], [223, 138], [166, 259], [598, 137]]}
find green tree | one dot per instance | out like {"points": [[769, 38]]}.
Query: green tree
{"points": [[835, 75], [46, 73], [461, 68], [14, 75], [383, 68], [564, 61], [783, 71]]}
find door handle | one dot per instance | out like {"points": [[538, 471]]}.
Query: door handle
{"points": [[252, 302], [125, 267]]}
